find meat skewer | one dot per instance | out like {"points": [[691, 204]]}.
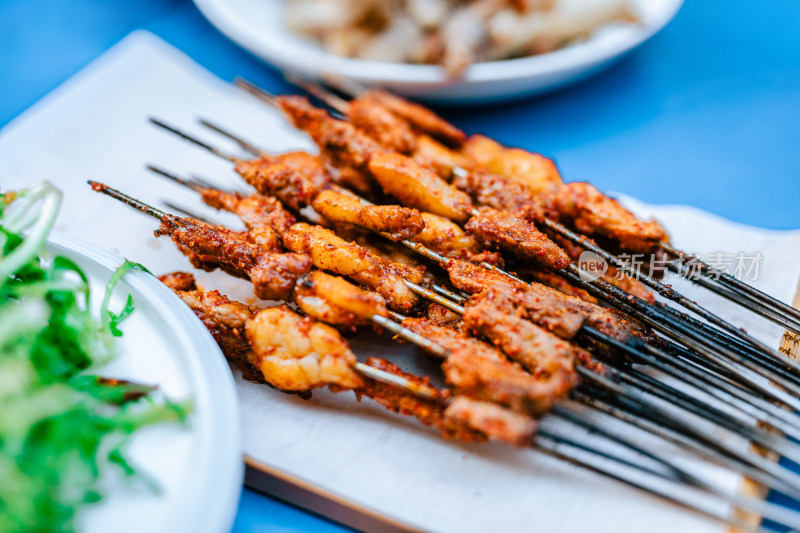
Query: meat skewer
{"points": [[586, 195], [772, 412], [669, 391], [642, 306], [456, 417], [463, 409], [716, 281], [644, 311]]}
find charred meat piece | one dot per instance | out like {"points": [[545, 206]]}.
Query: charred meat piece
{"points": [[499, 192], [442, 316], [420, 117], [336, 301], [295, 178], [419, 187], [428, 411], [536, 349], [273, 274], [340, 142], [329, 252], [179, 281], [255, 210], [443, 236], [399, 223], [224, 319], [548, 308], [478, 370], [492, 420], [593, 213], [300, 354], [506, 231]]}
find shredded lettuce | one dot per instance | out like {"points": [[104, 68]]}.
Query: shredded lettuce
{"points": [[60, 426]]}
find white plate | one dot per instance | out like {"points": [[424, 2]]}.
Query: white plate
{"points": [[257, 26], [198, 467]]}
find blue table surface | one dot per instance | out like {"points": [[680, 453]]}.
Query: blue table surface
{"points": [[707, 114]]}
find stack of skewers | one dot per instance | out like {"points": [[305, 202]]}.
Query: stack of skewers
{"points": [[470, 250]]}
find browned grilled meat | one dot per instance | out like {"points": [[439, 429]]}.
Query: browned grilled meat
{"points": [[478, 370], [539, 351], [179, 281], [389, 130], [548, 308], [340, 142], [398, 223], [429, 412], [554, 281], [329, 252], [499, 192], [336, 301], [492, 420], [419, 187], [224, 319], [255, 210], [442, 316], [594, 213], [273, 274], [504, 230], [295, 178], [421, 118]]}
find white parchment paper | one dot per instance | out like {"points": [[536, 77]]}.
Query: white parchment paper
{"points": [[95, 127]]}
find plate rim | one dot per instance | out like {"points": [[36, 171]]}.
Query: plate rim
{"points": [[213, 392], [581, 56]]}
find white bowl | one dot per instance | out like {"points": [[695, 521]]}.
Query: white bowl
{"points": [[257, 26], [197, 468]]}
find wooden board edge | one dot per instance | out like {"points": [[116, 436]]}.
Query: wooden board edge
{"points": [[299, 492]]}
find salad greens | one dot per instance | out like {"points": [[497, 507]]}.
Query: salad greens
{"points": [[60, 425]]}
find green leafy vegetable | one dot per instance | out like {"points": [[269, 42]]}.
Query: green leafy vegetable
{"points": [[60, 427]]}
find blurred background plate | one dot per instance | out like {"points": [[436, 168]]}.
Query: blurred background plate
{"points": [[198, 468], [257, 25]]}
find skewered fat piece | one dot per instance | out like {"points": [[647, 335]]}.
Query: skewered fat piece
{"points": [[477, 370], [295, 178], [329, 252], [398, 223], [463, 418], [538, 174], [504, 230], [557, 312], [417, 186], [299, 354], [335, 301], [244, 254]]}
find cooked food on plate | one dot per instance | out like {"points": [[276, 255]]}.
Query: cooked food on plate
{"points": [[451, 33]]}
